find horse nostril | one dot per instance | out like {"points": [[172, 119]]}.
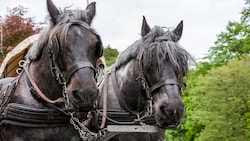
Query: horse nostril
{"points": [[75, 94], [165, 111], [162, 109], [168, 112]]}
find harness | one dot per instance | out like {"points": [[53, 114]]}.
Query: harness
{"points": [[54, 114], [127, 116]]}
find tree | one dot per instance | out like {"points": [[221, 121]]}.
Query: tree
{"points": [[16, 27], [234, 42], [223, 104], [110, 55], [217, 101], [192, 127]]}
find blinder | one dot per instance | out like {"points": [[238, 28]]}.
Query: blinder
{"points": [[99, 47]]}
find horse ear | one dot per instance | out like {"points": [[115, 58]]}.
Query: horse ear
{"points": [[53, 11], [90, 12], [145, 29], [178, 31]]}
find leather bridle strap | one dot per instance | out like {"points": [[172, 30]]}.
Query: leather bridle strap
{"points": [[162, 38], [163, 83], [77, 67], [56, 72], [39, 92], [83, 24]]}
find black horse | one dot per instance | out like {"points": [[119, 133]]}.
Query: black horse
{"points": [[146, 81], [57, 82]]}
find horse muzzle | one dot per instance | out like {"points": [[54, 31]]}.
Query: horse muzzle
{"points": [[169, 115], [83, 99]]}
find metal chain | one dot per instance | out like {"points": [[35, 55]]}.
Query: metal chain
{"points": [[149, 107], [65, 95], [84, 133]]}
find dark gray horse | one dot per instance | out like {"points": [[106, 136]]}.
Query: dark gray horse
{"points": [[57, 81], [150, 71]]}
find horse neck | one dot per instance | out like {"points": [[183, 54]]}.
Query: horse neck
{"points": [[130, 87]]}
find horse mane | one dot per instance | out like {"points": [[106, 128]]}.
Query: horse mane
{"points": [[168, 50], [59, 30]]}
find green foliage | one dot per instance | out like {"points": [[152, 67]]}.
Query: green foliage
{"points": [[217, 96], [232, 43], [110, 55], [223, 104], [217, 105], [192, 127]]}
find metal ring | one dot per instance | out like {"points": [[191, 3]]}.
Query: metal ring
{"points": [[19, 70], [21, 63]]}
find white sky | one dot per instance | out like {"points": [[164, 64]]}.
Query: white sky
{"points": [[119, 21]]}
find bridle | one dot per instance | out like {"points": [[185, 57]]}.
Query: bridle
{"points": [[54, 51], [52, 105], [148, 111], [64, 80], [55, 70], [145, 85]]}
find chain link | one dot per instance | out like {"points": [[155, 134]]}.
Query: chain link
{"points": [[84, 133], [149, 107], [65, 95]]}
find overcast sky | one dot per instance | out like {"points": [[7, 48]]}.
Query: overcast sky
{"points": [[119, 21]]}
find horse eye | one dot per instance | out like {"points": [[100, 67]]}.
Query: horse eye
{"points": [[182, 88], [184, 85]]}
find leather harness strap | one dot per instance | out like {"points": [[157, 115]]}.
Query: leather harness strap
{"points": [[39, 92], [8, 93], [105, 99], [117, 92]]}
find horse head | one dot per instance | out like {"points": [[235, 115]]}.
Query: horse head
{"points": [[163, 65], [69, 48], [150, 72]]}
